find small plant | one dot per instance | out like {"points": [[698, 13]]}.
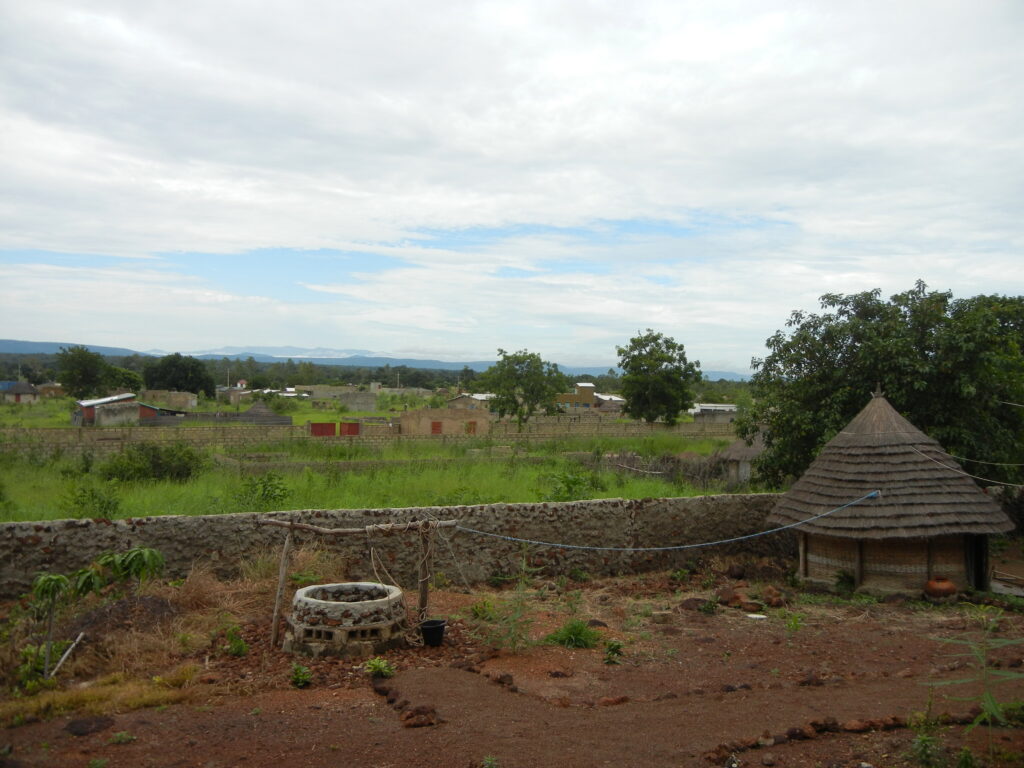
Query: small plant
{"points": [[709, 607], [483, 610], [85, 500], [925, 748], [379, 667], [708, 581], [579, 575], [303, 578], [613, 652], [301, 676], [575, 634], [510, 627], [966, 759], [794, 622], [97, 762], [679, 576], [235, 645], [490, 762], [574, 601], [846, 582], [262, 493], [122, 737]]}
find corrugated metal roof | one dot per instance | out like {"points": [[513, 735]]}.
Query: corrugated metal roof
{"points": [[105, 400]]}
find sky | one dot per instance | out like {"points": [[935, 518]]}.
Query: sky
{"points": [[439, 180]]}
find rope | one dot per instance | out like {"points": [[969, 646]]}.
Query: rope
{"points": [[1015, 405], [872, 495], [966, 474]]}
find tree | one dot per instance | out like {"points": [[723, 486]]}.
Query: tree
{"points": [[82, 373], [179, 373], [951, 367], [123, 378], [522, 383], [657, 380]]}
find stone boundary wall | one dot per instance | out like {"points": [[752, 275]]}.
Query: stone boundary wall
{"points": [[74, 440], [224, 541]]}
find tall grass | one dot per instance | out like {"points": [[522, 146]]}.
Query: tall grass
{"points": [[34, 491], [49, 412]]}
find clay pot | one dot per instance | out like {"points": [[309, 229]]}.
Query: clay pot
{"points": [[940, 586]]}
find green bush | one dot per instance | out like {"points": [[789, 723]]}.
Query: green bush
{"points": [[87, 500], [263, 492], [575, 634], [149, 461], [379, 667]]}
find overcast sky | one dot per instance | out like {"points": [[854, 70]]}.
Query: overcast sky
{"points": [[443, 179]]}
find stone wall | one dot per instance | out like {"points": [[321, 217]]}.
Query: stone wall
{"points": [[224, 541]]}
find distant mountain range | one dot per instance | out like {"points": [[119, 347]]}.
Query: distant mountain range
{"points": [[359, 358]]}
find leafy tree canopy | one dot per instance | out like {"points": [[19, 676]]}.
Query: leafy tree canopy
{"points": [[83, 373], [522, 384], [657, 380], [951, 367], [179, 373]]}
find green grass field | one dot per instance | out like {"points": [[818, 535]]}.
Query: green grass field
{"points": [[32, 488]]}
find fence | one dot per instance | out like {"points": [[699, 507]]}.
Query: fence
{"points": [[73, 440]]}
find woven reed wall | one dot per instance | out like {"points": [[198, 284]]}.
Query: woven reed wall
{"points": [[893, 564], [827, 556]]}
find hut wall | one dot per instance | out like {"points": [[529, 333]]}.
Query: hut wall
{"points": [[889, 565], [827, 556]]}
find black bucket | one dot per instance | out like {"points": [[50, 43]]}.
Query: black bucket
{"points": [[433, 631]]}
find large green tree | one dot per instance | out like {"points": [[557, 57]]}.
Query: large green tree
{"points": [[179, 373], [522, 383], [954, 368], [82, 373], [657, 379]]}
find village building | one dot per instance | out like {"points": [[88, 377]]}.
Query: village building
{"points": [[18, 392], [928, 520]]}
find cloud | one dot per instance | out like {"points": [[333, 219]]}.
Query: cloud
{"points": [[532, 174]]}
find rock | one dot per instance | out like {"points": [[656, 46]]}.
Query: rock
{"points": [[419, 717], [596, 623], [692, 603], [505, 679], [750, 606], [611, 701], [735, 571], [856, 726], [559, 673], [811, 678], [661, 617], [666, 696], [796, 734], [83, 726], [905, 673], [727, 688], [767, 759], [728, 596], [209, 678]]}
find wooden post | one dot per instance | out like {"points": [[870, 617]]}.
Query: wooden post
{"points": [[424, 573], [282, 573]]}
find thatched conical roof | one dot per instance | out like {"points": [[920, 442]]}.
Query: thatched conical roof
{"points": [[923, 490]]}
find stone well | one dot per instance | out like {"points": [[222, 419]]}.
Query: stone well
{"points": [[358, 618]]}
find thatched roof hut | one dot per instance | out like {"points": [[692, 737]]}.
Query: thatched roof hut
{"points": [[930, 518]]}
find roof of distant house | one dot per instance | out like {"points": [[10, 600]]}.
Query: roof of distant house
{"points": [[106, 400], [21, 388]]}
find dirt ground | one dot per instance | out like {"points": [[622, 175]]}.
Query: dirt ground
{"points": [[811, 684]]}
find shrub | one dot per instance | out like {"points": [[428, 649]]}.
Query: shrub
{"points": [[262, 492], [84, 500], [575, 634], [235, 646], [148, 461], [301, 676], [379, 667]]}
